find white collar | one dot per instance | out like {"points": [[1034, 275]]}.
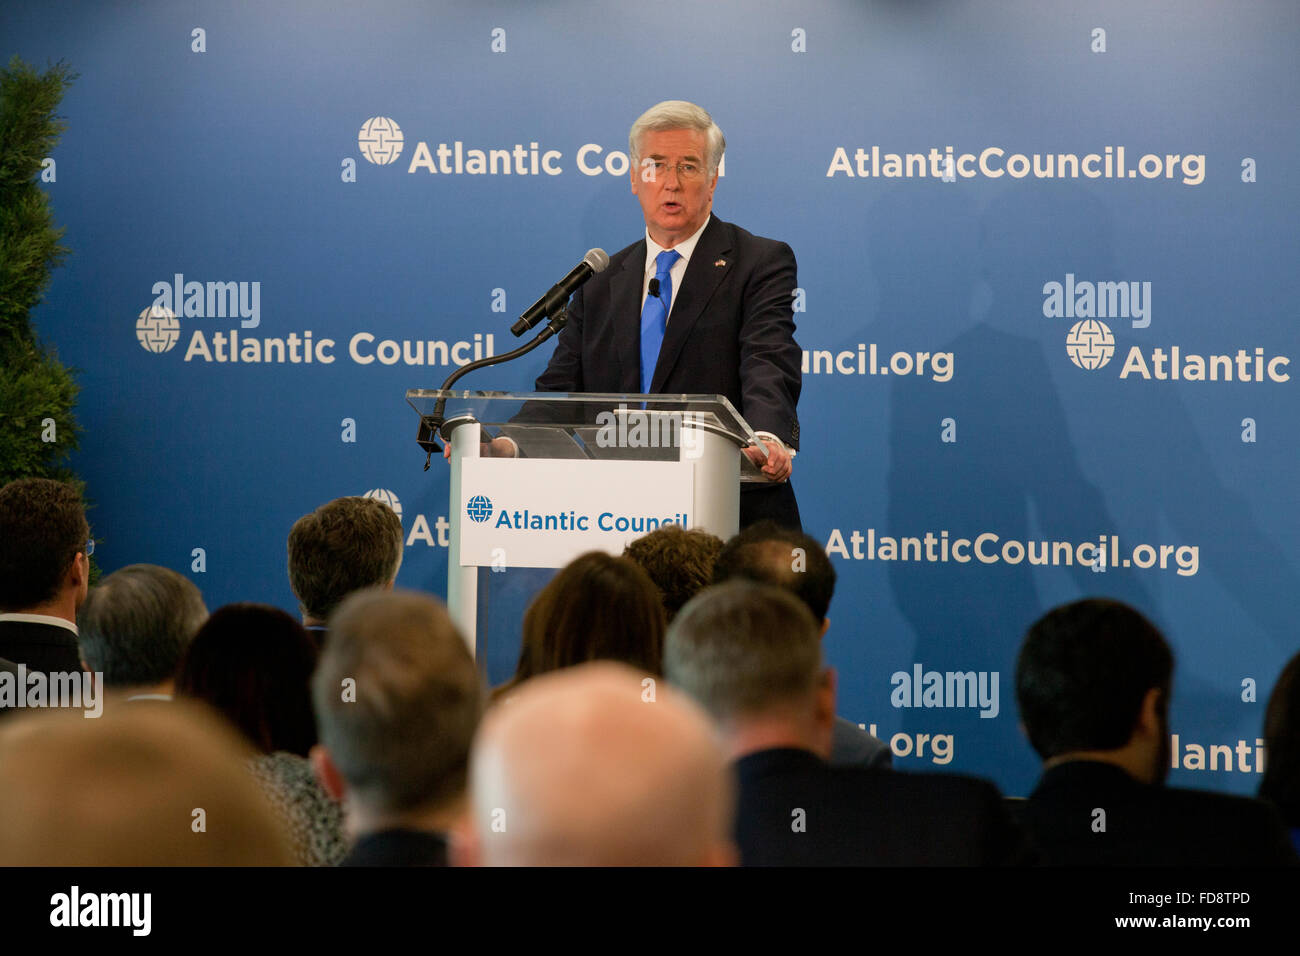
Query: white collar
{"points": [[41, 619], [683, 248]]}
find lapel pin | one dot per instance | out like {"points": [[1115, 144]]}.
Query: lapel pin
{"points": [[720, 263]]}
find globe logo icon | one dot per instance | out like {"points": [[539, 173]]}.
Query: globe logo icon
{"points": [[157, 329], [479, 509], [380, 140], [1090, 344], [387, 497]]}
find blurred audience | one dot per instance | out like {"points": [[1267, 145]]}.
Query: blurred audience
{"points": [[593, 760], [772, 554], [143, 786], [751, 655], [45, 552], [135, 626], [598, 607], [1281, 783], [679, 562], [345, 545], [253, 664], [596, 766], [1093, 681], [397, 699]]}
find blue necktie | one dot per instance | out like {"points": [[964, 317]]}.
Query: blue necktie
{"points": [[654, 316]]}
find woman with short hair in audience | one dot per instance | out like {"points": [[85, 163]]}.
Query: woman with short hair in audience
{"points": [[1281, 783], [598, 607], [253, 663]]}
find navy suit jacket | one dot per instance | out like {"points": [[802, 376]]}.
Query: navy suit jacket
{"points": [[399, 847], [1148, 825], [851, 746], [730, 332], [47, 648], [852, 816]]}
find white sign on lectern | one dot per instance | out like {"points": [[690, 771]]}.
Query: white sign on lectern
{"points": [[538, 478], [541, 513]]}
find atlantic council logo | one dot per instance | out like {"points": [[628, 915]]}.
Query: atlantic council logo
{"points": [[157, 329], [1090, 344], [387, 497], [479, 509], [380, 140]]}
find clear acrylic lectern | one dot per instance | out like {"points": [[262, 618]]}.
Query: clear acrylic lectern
{"points": [[539, 478]]}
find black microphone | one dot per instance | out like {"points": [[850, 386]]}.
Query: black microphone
{"points": [[653, 291], [558, 296]]}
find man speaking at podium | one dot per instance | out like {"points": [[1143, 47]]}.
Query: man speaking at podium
{"points": [[699, 306]]}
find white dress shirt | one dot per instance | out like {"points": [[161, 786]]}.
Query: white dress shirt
{"points": [[41, 619], [678, 271]]}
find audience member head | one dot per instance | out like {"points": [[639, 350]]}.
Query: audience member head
{"points": [[592, 766], [397, 699], [1281, 783], [598, 607], [772, 554], [750, 654], [124, 790], [345, 545], [1093, 682], [136, 624], [679, 562], [44, 568], [253, 663]]}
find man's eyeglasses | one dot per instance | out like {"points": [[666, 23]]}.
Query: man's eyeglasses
{"points": [[90, 547], [653, 169]]}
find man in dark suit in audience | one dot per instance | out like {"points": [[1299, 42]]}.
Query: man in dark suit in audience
{"points": [[751, 654], [397, 700], [1093, 682], [788, 558], [44, 573], [345, 545]]}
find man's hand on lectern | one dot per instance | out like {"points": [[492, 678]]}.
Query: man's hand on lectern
{"points": [[778, 465], [496, 448]]}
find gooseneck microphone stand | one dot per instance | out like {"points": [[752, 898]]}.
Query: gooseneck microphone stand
{"points": [[431, 425]]}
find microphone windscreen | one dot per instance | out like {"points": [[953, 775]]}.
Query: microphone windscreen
{"points": [[597, 259]]}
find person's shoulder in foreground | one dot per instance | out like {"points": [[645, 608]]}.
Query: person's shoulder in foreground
{"points": [[1087, 812], [853, 746], [399, 847], [796, 810]]}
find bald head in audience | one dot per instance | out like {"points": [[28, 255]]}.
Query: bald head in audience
{"points": [[125, 790], [589, 766]]}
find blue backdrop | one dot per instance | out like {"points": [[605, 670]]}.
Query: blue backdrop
{"points": [[305, 153]]}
